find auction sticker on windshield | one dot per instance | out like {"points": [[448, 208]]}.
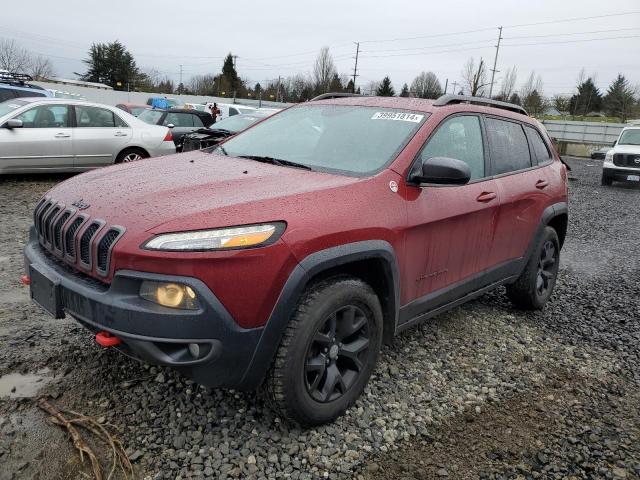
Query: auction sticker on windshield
{"points": [[403, 116]]}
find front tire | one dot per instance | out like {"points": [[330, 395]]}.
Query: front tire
{"points": [[327, 353], [534, 286], [606, 180]]}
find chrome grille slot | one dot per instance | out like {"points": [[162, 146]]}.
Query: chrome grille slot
{"points": [[70, 237], [105, 245], [57, 230], [47, 223], [85, 243]]}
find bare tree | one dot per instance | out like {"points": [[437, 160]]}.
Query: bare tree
{"points": [[40, 68], [475, 78], [372, 87], [533, 83], [508, 84], [323, 70], [426, 85], [13, 57]]}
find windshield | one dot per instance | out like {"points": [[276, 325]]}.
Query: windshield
{"points": [[10, 105], [630, 137], [336, 138], [236, 123], [151, 116]]}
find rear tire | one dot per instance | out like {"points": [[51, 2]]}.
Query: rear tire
{"points": [[606, 180], [131, 155], [534, 286], [327, 353]]}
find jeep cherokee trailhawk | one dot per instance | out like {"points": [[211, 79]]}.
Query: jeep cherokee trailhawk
{"points": [[286, 255]]}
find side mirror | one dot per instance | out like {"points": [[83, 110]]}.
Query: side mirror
{"points": [[171, 125], [14, 123], [442, 171]]}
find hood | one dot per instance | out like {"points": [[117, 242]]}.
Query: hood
{"points": [[625, 149], [192, 190]]}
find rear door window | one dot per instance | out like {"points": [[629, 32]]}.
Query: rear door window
{"points": [[539, 149], [459, 137], [94, 117], [6, 94], [197, 122], [508, 146]]}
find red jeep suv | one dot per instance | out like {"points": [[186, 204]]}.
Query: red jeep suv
{"points": [[286, 255]]}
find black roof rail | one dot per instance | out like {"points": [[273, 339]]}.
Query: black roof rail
{"points": [[451, 99], [11, 77], [326, 96]]}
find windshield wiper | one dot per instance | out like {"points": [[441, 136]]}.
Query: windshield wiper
{"points": [[276, 161]]}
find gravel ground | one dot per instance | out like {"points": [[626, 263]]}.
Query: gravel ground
{"points": [[483, 391]]}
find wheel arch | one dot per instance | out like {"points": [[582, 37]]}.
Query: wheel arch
{"points": [[373, 261], [556, 216]]}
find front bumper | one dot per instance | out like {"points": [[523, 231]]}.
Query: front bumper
{"points": [[619, 174], [150, 332]]}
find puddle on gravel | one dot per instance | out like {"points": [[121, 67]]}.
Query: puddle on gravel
{"points": [[18, 385]]}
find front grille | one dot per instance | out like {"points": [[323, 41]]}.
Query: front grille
{"points": [[52, 213], [626, 160], [62, 232], [57, 230], [85, 243], [70, 237], [105, 245]]}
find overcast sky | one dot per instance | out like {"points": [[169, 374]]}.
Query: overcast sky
{"points": [[283, 37]]}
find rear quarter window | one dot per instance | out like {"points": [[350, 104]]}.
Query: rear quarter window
{"points": [[539, 150]]}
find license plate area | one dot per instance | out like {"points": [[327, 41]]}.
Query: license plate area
{"points": [[633, 178], [46, 292]]}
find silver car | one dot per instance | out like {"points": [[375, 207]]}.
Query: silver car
{"points": [[61, 135]]}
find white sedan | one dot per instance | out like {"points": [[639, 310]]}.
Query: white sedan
{"points": [[61, 135]]}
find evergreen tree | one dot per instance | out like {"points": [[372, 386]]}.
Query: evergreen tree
{"points": [[335, 85], [619, 101], [385, 89], [515, 98], [534, 103], [350, 87], [231, 76], [405, 91], [588, 99], [111, 64]]}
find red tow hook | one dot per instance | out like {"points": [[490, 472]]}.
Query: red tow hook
{"points": [[105, 339], [25, 280]]}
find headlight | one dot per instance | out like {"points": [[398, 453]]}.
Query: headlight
{"points": [[219, 239], [608, 157], [172, 295]]}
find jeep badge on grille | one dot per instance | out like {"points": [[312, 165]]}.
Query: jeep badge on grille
{"points": [[80, 204]]}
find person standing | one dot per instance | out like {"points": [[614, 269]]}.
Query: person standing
{"points": [[215, 111]]}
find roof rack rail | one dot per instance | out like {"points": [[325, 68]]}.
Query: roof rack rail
{"points": [[451, 99], [14, 77], [326, 96]]}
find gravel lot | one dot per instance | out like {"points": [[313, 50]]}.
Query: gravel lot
{"points": [[484, 391]]}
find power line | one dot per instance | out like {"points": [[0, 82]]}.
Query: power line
{"points": [[570, 41], [573, 19], [571, 33]]}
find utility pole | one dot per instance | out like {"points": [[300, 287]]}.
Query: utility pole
{"points": [[455, 84], [278, 88], [234, 60], [355, 68], [495, 61], [180, 84], [446, 85]]}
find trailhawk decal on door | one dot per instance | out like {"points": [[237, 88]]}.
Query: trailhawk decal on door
{"points": [[405, 117]]}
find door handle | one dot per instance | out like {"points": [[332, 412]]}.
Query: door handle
{"points": [[486, 196], [120, 134], [541, 184], [62, 135]]}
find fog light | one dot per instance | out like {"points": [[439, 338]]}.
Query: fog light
{"points": [[194, 350], [172, 295]]}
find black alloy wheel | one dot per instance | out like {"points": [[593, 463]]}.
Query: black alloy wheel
{"points": [[335, 355], [546, 268]]}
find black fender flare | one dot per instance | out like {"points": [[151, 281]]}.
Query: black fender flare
{"points": [[295, 285]]}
